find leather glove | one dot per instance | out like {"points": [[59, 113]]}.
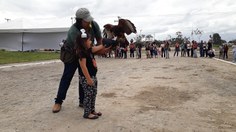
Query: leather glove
{"points": [[109, 42]]}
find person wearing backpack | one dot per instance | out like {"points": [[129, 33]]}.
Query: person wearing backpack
{"points": [[83, 21]]}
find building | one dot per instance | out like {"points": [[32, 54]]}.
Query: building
{"points": [[32, 39]]}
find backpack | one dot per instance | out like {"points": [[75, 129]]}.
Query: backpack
{"points": [[67, 54]]}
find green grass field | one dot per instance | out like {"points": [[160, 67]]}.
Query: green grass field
{"points": [[7, 57]]}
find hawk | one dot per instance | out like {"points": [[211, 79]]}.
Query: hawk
{"points": [[124, 26]]}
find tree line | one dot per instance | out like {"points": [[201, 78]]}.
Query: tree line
{"points": [[215, 38]]}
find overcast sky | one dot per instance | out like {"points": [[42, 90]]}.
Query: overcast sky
{"points": [[161, 18]]}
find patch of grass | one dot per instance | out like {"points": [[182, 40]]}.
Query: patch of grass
{"points": [[7, 57]]}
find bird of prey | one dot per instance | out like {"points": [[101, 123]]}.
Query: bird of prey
{"points": [[124, 26]]}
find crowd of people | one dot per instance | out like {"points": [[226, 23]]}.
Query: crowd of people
{"points": [[185, 49]]}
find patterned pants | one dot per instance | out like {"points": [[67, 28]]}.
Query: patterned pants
{"points": [[90, 93]]}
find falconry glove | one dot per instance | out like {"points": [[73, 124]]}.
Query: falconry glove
{"points": [[109, 42]]}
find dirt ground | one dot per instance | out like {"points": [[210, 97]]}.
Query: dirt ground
{"points": [[135, 95]]}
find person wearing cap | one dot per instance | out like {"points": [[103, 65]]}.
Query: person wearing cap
{"points": [[84, 20]]}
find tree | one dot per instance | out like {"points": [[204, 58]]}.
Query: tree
{"points": [[232, 41], [158, 42], [149, 37], [198, 33], [217, 39], [186, 39], [169, 38], [139, 44], [179, 34], [223, 41], [179, 37], [139, 38]]}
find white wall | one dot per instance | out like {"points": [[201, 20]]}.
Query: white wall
{"points": [[10, 41], [31, 41]]}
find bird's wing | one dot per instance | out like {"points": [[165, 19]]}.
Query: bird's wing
{"points": [[127, 26]]}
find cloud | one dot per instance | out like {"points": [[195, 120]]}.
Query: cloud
{"points": [[160, 17]]}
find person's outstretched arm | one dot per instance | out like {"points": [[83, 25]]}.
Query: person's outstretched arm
{"points": [[104, 47]]}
